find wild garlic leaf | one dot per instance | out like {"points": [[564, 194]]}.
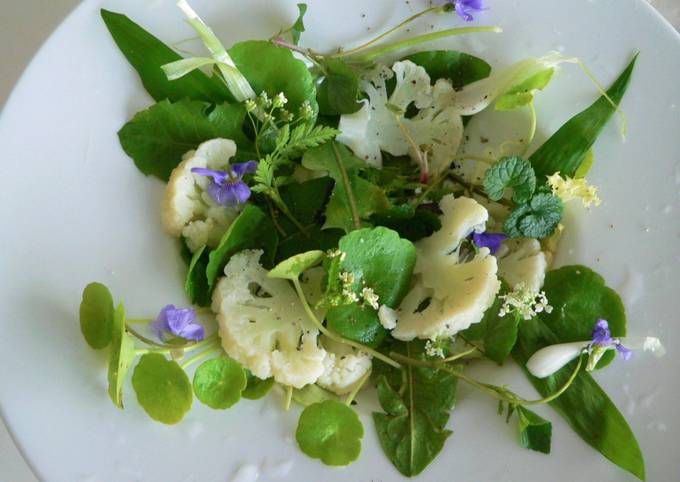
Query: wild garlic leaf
{"points": [[256, 388], [147, 55], [121, 356], [330, 431], [537, 218], [219, 382], [163, 389], [412, 223], [157, 138], [523, 93], [510, 172], [196, 282], [294, 266], [338, 91], [458, 67], [535, 432], [565, 150], [96, 315]]}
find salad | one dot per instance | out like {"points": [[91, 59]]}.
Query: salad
{"points": [[349, 223]]}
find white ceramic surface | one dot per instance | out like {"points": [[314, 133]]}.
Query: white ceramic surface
{"points": [[76, 209]]}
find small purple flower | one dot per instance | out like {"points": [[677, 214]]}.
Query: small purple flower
{"points": [[492, 241], [180, 322], [227, 187], [465, 8], [602, 337]]}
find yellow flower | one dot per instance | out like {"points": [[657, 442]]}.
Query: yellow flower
{"points": [[570, 188]]}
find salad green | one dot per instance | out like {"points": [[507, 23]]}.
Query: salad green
{"points": [[339, 233]]}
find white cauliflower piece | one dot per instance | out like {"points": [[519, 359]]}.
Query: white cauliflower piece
{"points": [[436, 129], [263, 325], [524, 264], [188, 210], [449, 295], [344, 367]]}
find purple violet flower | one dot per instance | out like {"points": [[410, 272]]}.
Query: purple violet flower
{"points": [[465, 8], [180, 322], [227, 187], [602, 337], [492, 241]]}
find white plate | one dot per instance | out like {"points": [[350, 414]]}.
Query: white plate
{"points": [[75, 209]]}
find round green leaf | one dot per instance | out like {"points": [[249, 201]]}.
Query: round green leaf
{"points": [[294, 266], [218, 383], [96, 315], [163, 389], [358, 323], [120, 357], [330, 431], [256, 388]]}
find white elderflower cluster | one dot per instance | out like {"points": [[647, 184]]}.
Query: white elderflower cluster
{"points": [[525, 302], [370, 297]]}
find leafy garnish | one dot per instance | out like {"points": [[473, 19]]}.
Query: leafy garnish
{"points": [[356, 322], [163, 389], [311, 394], [256, 388], [523, 93], [298, 27], [338, 91], [537, 218], [535, 432], [219, 382], [460, 68], [330, 431], [196, 283], [96, 315], [294, 266], [410, 222], [121, 356], [510, 172]]}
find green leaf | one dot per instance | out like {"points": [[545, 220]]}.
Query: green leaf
{"points": [[535, 432], [510, 172], [252, 229], [157, 138], [337, 94], [586, 165], [330, 431], [410, 222], [353, 199], [96, 315], [417, 402], [306, 136], [218, 383], [256, 388], [523, 93], [460, 68], [147, 55], [196, 284], [358, 323], [163, 389], [121, 356], [536, 219], [294, 266], [275, 71], [566, 149], [299, 26], [312, 394]]}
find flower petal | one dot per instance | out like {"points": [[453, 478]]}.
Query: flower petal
{"points": [[626, 353], [178, 319], [192, 331], [218, 177], [219, 193], [601, 333], [492, 241], [238, 193], [243, 168]]}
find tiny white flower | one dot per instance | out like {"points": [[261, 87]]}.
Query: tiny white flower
{"points": [[279, 100], [433, 349], [370, 297]]}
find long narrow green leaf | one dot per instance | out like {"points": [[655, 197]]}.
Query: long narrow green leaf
{"points": [[568, 147]]}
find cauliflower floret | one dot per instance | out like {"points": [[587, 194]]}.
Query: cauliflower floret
{"points": [[449, 296], [344, 367], [263, 326], [436, 129], [524, 264], [188, 210]]}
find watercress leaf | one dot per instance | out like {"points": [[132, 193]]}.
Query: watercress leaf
{"points": [[196, 284], [312, 394], [337, 93], [275, 71], [510, 172], [163, 389], [537, 218], [410, 222], [565, 150], [121, 356], [294, 266], [458, 67], [96, 315], [584, 405], [356, 322], [330, 431], [157, 138], [218, 383], [256, 388], [252, 229], [535, 432], [523, 93], [147, 55]]}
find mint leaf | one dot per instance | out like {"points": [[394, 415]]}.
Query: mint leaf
{"points": [[96, 315], [218, 383], [163, 388], [536, 219], [535, 432], [121, 356], [523, 93], [294, 266], [256, 388], [338, 91], [510, 172], [157, 138], [330, 431], [458, 67]]}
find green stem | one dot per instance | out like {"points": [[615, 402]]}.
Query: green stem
{"points": [[335, 337], [289, 398], [413, 41], [478, 190], [348, 188], [276, 197], [352, 395], [458, 356], [200, 356], [144, 351]]}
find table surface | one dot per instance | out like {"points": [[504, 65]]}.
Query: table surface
{"points": [[26, 25]]}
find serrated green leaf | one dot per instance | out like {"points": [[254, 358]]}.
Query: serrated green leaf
{"points": [[218, 383], [294, 266], [338, 91], [536, 219], [510, 172], [163, 389], [96, 315], [121, 356], [256, 388], [535, 432], [307, 136], [523, 93]]}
